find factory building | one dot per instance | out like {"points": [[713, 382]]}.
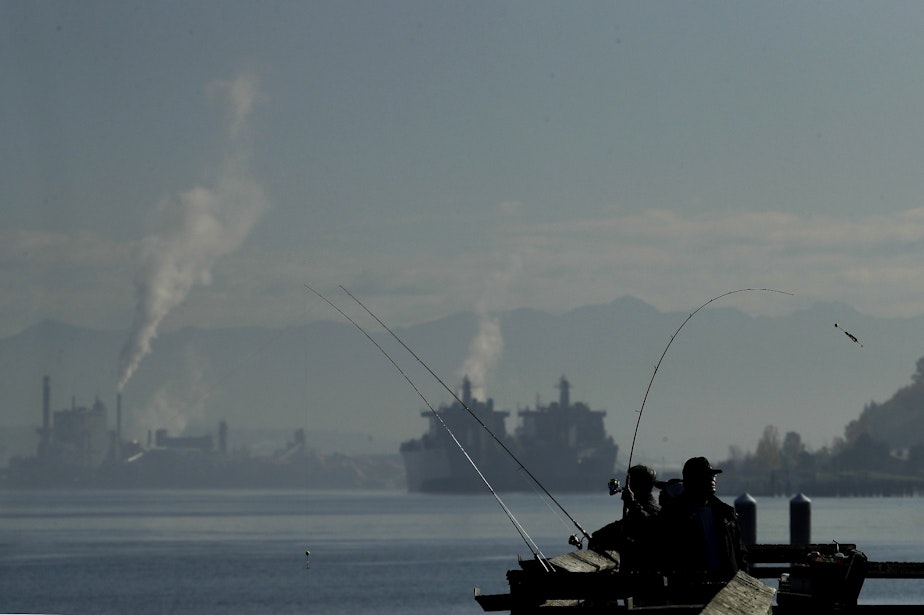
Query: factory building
{"points": [[80, 436], [77, 437]]}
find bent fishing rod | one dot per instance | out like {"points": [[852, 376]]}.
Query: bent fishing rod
{"points": [[666, 348], [573, 540], [530, 544]]}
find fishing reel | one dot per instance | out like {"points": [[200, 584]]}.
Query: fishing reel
{"points": [[614, 486], [574, 541]]}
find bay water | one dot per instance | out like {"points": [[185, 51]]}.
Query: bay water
{"points": [[209, 552]]}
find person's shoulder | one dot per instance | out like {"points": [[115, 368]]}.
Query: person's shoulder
{"points": [[720, 505], [675, 506]]}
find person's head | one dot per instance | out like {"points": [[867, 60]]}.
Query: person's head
{"points": [[699, 477], [670, 489], [641, 479]]}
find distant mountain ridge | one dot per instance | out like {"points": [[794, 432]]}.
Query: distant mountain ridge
{"points": [[725, 378]]}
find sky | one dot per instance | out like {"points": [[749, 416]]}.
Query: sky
{"points": [[177, 163]]}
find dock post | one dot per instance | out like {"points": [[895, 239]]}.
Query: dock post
{"points": [[800, 520], [746, 507]]}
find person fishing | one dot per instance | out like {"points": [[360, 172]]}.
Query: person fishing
{"points": [[633, 535], [699, 532], [640, 513], [638, 502]]}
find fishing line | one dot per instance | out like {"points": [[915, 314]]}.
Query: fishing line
{"points": [[573, 539], [473, 415], [530, 544], [666, 348]]}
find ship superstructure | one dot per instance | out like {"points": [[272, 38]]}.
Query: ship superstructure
{"points": [[434, 463], [563, 444]]}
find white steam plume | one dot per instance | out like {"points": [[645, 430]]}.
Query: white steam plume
{"points": [[483, 353], [198, 228], [175, 404], [486, 348]]}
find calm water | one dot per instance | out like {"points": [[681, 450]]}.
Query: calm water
{"points": [[144, 552]]}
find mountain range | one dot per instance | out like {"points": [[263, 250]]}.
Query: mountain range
{"points": [[723, 379]]}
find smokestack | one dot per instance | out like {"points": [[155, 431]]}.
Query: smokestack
{"points": [[467, 391], [46, 409], [118, 432], [223, 437], [45, 431], [564, 398]]}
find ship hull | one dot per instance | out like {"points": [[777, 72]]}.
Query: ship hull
{"points": [[445, 470]]}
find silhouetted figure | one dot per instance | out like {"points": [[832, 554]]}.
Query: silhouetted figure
{"points": [[640, 518], [637, 498], [633, 535], [699, 532], [668, 490]]}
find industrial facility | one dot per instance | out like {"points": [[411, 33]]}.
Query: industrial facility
{"points": [[77, 447]]}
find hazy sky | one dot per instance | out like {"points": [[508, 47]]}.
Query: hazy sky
{"points": [[443, 156]]}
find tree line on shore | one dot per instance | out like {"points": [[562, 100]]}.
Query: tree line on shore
{"points": [[880, 454]]}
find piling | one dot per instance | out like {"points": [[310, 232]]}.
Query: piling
{"points": [[746, 507], [800, 520]]}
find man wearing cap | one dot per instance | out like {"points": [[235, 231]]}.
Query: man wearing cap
{"points": [[700, 532]]}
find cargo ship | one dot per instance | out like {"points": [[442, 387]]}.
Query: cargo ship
{"points": [[563, 444]]}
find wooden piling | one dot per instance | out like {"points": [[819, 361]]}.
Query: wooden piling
{"points": [[800, 520]]}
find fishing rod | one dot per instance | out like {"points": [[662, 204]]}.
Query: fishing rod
{"points": [[572, 540], [530, 544], [666, 348]]}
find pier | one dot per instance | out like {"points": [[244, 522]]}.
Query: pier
{"points": [[779, 579]]}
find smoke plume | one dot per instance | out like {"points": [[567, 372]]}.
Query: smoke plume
{"points": [[483, 353], [197, 228], [176, 403], [486, 347]]}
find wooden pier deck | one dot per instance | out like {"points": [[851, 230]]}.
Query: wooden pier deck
{"points": [[817, 578]]}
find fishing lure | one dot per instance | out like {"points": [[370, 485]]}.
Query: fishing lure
{"points": [[847, 333]]}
